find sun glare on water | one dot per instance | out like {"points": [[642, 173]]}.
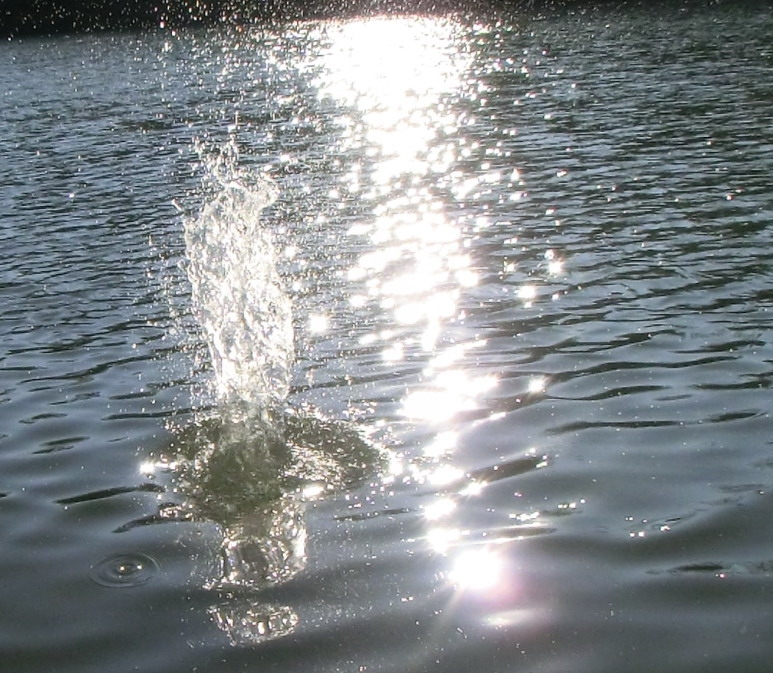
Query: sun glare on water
{"points": [[393, 79], [479, 569]]}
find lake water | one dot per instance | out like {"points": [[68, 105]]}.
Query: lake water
{"points": [[389, 345]]}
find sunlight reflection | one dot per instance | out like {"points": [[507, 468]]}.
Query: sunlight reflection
{"points": [[444, 475], [394, 70], [477, 569], [397, 77], [318, 323], [511, 618], [393, 353], [537, 384], [527, 294], [473, 488], [441, 539], [443, 444], [453, 391], [555, 265], [397, 83], [438, 509]]}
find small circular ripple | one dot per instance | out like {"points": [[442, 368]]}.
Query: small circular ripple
{"points": [[124, 570]]}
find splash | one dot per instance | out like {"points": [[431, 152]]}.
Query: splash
{"points": [[237, 293], [251, 462], [251, 449]]}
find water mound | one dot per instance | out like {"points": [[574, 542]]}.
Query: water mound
{"points": [[233, 469], [255, 484]]}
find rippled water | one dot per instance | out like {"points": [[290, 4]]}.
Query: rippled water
{"points": [[527, 426]]}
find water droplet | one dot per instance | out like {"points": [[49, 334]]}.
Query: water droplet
{"points": [[124, 570]]}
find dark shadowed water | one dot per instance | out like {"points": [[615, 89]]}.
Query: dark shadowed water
{"points": [[528, 420]]}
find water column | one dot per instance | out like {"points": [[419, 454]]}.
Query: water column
{"points": [[251, 461], [238, 448]]}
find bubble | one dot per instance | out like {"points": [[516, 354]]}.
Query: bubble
{"points": [[124, 570]]}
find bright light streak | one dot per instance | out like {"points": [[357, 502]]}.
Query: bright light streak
{"points": [[477, 570], [445, 474], [555, 267], [537, 384], [527, 293], [473, 488], [393, 353], [444, 443], [441, 539], [313, 490], [438, 509], [455, 392], [397, 72], [318, 323]]}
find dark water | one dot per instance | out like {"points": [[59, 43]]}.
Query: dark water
{"points": [[528, 423]]}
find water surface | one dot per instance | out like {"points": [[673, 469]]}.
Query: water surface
{"points": [[527, 417]]}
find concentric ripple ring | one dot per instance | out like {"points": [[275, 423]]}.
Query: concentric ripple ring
{"points": [[124, 570]]}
